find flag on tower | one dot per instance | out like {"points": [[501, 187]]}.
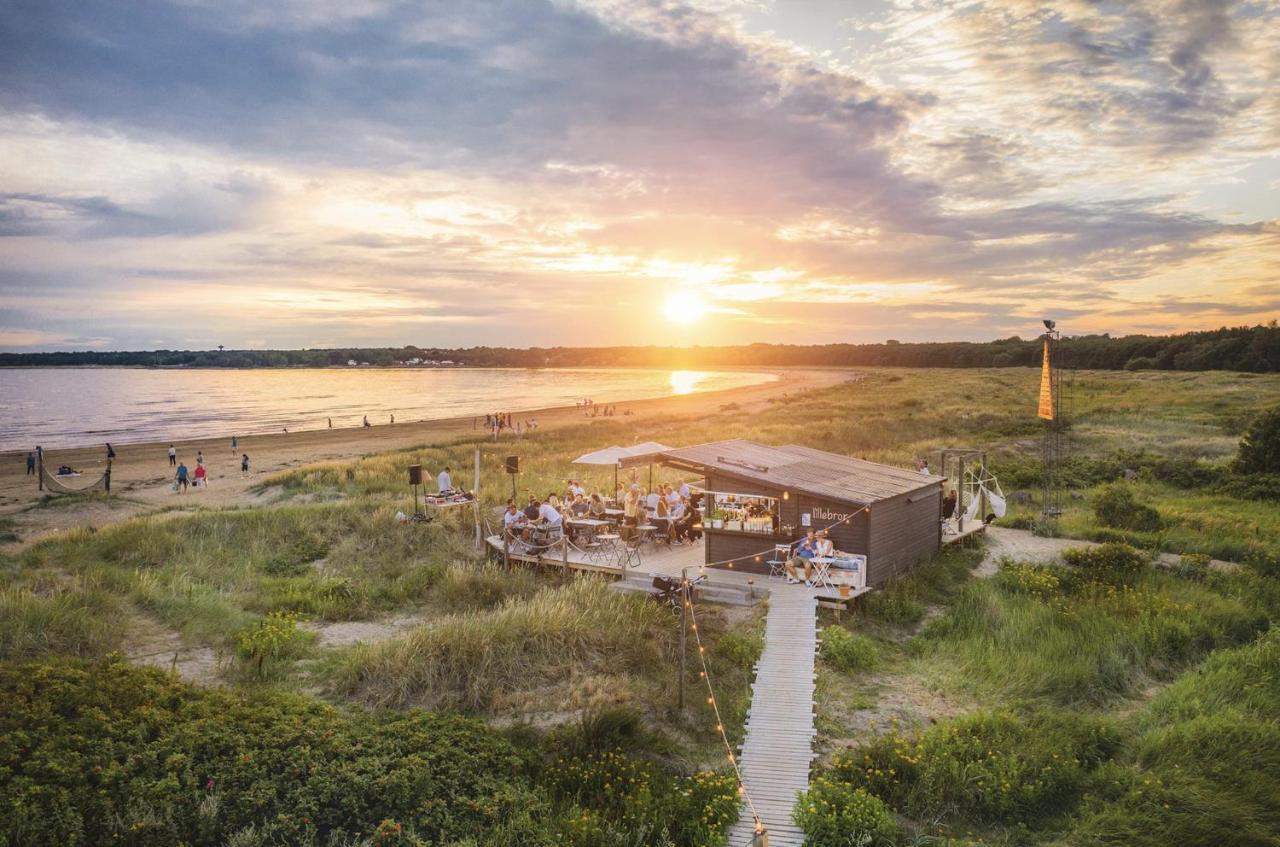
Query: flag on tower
{"points": [[1046, 387]]}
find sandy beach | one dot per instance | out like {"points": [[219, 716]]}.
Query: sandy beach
{"points": [[141, 476]]}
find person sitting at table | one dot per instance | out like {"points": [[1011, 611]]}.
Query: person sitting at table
{"points": [[651, 503], [531, 510], [683, 489], [680, 522], [669, 494], [805, 551], [662, 518], [513, 519], [580, 506], [549, 519], [445, 481], [824, 546], [595, 507], [576, 490]]}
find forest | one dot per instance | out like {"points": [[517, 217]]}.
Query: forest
{"points": [[1253, 349]]}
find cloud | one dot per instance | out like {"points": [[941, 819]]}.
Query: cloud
{"points": [[480, 172]]}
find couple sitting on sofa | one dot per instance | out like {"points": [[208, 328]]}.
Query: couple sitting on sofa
{"points": [[816, 544]]}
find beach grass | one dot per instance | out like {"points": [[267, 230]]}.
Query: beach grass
{"points": [[1160, 688]]}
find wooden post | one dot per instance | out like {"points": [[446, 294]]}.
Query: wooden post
{"points": [[564, 547], [684, 626], [960, 497], [476, 502], [506, 546], [107, 476], [40, 470]]}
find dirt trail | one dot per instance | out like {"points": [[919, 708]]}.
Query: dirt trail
{"points": [[1021, 545]]}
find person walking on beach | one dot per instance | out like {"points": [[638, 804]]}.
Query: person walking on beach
{"points": [[173, 456], [181, 477], [111, 454], [235, 443], [330, 423], [366, 421], [202, 477], [31, 464], [393, 418], [244, 463]]}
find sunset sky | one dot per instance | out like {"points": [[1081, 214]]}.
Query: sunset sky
{"points": [[313, 173]]}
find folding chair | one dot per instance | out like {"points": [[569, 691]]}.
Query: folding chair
{"points": [[629, 555], [778, 564]]}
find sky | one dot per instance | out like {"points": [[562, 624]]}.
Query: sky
{"points": [[317, 173]]}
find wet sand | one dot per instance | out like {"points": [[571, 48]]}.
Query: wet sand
{"points": [[141, 477]]}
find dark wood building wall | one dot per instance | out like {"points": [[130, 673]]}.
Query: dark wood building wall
{"points": [[851, 536], [905, 530]]}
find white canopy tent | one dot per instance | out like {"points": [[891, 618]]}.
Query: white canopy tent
{"points": [[623, 457]]}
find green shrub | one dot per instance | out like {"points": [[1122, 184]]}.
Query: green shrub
{"points": [[1256, 486], [847, 651], [1117, 507], [272, 639], [1193, 566], [614, 798], [1109, 563], [1259, 451], [1263, 561], [990, 766], [835, 814]]}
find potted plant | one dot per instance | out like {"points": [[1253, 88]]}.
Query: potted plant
{"points": [[844, 591], [717, 519]]}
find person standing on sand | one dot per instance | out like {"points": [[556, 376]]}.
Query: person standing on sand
{"points": [[393, 418], [330, 423], [201, 477], [199, 457], [235, 443], [244, 463], [173, 456], [181, 477], [366, 421], [31, 464], [111, 454]]}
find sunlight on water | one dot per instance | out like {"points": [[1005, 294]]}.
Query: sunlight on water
{"points": [[686, 382]]}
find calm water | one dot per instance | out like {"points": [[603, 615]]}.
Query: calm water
{"points": [[64, 407]]}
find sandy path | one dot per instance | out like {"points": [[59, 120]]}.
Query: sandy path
{"points": [[141, 475], [1021, 545]]}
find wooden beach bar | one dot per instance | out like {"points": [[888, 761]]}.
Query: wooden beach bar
{"points": [[759, 497]]}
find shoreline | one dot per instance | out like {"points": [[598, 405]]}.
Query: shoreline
{"points": [[141, 475], [312, 420]]}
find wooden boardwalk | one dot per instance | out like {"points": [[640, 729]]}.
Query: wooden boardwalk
{"points": [[778, 747]]}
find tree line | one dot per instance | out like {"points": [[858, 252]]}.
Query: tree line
{"points": [[1253, 349]]}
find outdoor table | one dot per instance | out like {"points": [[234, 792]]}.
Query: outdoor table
{"points": [[592, 525], [822, 570], [646, 531]]}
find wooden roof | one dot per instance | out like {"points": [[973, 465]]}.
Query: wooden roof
{"points": [[802, 469]]}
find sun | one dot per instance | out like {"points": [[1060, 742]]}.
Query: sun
{"points": [[685, 307]]}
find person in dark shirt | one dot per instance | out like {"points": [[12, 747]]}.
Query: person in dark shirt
{"points": [[31, 464]]}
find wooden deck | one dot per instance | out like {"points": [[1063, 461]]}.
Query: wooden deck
{"points": [[971, 528], [778, 747]]}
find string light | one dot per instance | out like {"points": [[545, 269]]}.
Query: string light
{"points": [[705, 674]]}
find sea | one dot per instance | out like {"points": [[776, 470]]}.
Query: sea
{"points": [[72, 407]]}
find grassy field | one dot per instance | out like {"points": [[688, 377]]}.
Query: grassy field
{"points": [[1088, 696]]}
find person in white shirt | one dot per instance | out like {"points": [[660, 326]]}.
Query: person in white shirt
{"points": [[512, 518], [445, 481], [683, 489], [825, 548], [651, 503], [576, 490], [548, 516], [671, 497]]}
